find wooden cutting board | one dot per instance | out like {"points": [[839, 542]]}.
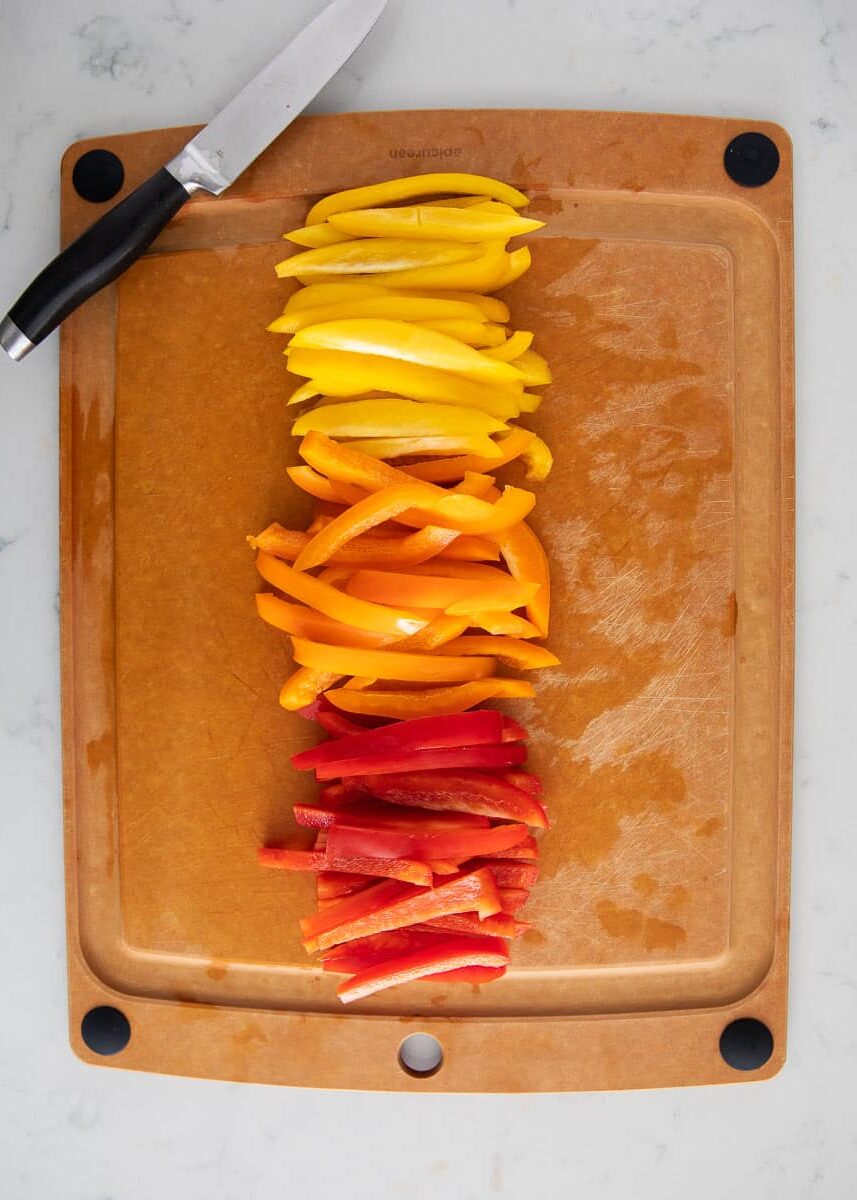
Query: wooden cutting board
{"points": [[661, 294]]}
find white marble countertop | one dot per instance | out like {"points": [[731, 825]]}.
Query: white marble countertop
{"points": [[73, 68]]}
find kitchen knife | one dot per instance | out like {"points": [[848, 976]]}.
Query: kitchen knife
{"points": [[211, 161]]}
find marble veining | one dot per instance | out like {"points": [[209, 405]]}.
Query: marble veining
{"points": [[85, 67]]}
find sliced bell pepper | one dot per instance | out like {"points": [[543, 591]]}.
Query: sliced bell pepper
{"points": [[468, 548], [508, 874], [353, 907], [333, 603], [504, 624], [515, 653], [435, 221], [374, 815], [519, 261], [332, 885], [329, 491], [539, 460], [525, 851], [409, 187], [394, 418], [475, 975], [390, 664], [476, 757], [513, 899], [330, 719], [511, 446], [513, 731], [420, 447], [355, 956], [483, 274], [422, 733], [347, 840], [532, 366], [475, 892], [408, 871], [456, 954], [457, 791], [528, 402], [388, 304], [446, 592], [403, 704], [526, 559], [438, 632], [308, 623], [369, 256], [491, 308], [512, 349], [501, 925], [524, 780], [313, 236], [303, 686], [410, 550], [320, 295], [339, 373], [472, 333], [408, 342]]}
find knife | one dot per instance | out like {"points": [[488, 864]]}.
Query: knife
{"points": [[211, 162]]}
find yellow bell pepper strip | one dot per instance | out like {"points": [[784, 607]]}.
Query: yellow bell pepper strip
{"points": [[392, 307], [335, 373], [435, 221], [532, 366], [539, 460], [530, 402], [394, 418], [390, 664], [317, 235], [416, 447], [479, 334], [514, 653], [407, 343], [438, 701], [320, 295], [302, 687], [306, 391], [510, 350], [491, 308], [503, 624], [333, 603], [304, 622], [410, 550], [518, 262], [458, 202], [432, 591], [483, 274], [525, 557], [445, 470], [412, 186], [369, 256]]}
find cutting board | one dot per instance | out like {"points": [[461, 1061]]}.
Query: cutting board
{"points": [[661, 294]]}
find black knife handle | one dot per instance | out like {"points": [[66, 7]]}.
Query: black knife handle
{"points": [[95, 259]]}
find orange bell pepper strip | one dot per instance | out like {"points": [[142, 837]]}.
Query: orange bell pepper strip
{"points": [[390, 664], [474, 892], [409, 187], [469, 548], [369, 256], [410, 550], [402, 340], [303, 686], [525, 557], [435, 221], [523, 655], [333, 603], [316, 485], [341, 373], [437, 591], [438, 701], [503, 624], [438, 632], [304, 622], [444, 470]]}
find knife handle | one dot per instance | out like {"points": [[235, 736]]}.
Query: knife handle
{"points": [[95, 259]]}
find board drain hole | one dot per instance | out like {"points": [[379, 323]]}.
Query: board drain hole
{"points": [[98, 175], [420, 1055], [751, 159], [746, 1044], [105, 1030]]}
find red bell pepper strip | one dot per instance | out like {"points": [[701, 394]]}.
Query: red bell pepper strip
{"points": [[344, 840], [330, 885], [423, 733], [524, 780], [479, 757], [527, 851], [331, 719], [356, 956], [375, 815], [513, 898], [417, 964], [378, 896], [476, 892], [513, 732], [501, 925], [468, 975], [509, 874], [406, 870], [456, 791]]}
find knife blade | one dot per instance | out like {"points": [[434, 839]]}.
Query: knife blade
{"points": [[210, 161]]}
